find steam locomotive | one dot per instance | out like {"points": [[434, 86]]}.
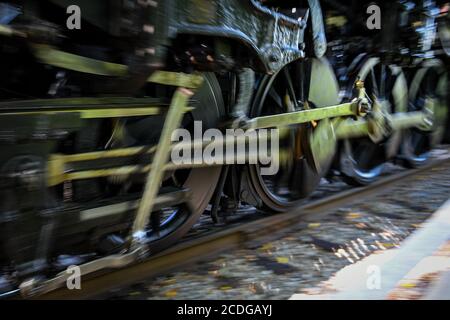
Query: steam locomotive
{"points": [[91, 92]]}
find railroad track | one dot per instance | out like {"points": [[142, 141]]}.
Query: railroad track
{"points": [[233, 237]]}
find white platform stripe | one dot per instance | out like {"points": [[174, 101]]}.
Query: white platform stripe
{"points": [[396, 263]]}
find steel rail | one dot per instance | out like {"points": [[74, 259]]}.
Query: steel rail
{"points": [[210, 245]]}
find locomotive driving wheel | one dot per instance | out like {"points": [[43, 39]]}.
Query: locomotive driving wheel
{"points": [[362, 160], [167, 224], [428, 88], [300, 85], [170, 224]]}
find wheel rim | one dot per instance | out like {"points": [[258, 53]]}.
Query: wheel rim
{"points": [[301, 82], [363, 160]]}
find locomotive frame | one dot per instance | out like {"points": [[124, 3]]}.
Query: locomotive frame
{"points": [[267, 41]]}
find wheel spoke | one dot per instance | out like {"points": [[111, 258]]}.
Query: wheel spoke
{"points": [[304, 72], [383, 80], [367, 155], [374, 83], [155, 222], [290, 87], [279, 180], [420, 143], [388, 82], [276, 97]]}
